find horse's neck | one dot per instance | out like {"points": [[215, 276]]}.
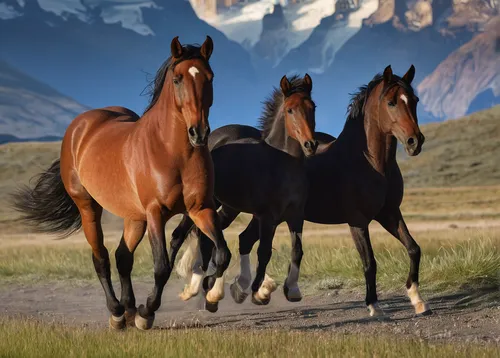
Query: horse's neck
{"points": [[164, 126], [279, 139], [378, 148]]}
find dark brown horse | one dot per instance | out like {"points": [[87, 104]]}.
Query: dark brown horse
{"points": [[356, 178], [266, 177], [144, 170]]}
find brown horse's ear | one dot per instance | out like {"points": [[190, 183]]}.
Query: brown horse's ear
{"points": [[285, 85], [388, 74], [308, 83], [176, 48], [408, 77], [207, 48]]}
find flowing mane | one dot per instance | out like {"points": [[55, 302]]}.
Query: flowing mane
{"points": [[155, 87], [273, 103], [356, 105]]}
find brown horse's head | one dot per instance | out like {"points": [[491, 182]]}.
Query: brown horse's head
{"points": [[191, 79], [398, 110], [299, 111]]}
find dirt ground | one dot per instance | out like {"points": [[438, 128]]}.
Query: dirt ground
{"points": [[465, 317]]}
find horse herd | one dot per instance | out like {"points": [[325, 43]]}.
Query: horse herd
{"points": [[150, 168]]}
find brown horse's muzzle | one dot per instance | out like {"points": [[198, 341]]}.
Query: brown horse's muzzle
{"points": [[198, 135], [414, 144]]}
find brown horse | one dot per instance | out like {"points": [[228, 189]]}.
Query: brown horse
{"points": [[144, 170], [356, 179]]}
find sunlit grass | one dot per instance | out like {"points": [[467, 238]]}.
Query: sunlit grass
{"points": [[27, 338], [451, 260]]}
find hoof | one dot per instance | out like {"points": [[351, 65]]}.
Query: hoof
{"points": [[142, 323], [376, 311], [239, 296], [422, 309], [292, 294], [187, 294], [117, 323], [259, 301], [211, 307], [130, 317]]}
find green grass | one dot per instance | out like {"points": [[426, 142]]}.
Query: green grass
{"points": [[26, 338], [452, 259]]}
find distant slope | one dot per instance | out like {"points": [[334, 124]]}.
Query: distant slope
{"points": [[31, 109], [457, 152]]}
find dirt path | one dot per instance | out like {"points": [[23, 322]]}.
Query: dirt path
{"points": [[457, 317]]}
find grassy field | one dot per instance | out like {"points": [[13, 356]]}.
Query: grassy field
{"points": [[25, 338], [458, 152], [452, 260]]}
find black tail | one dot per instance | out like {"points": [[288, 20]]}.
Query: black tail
{"points": [[48, 208]]}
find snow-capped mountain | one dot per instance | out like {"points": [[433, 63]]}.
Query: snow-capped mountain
{"points": [[242, 22], [76, 48], [127, 13]]}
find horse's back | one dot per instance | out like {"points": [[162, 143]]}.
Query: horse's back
{"points": [[232, 133]]}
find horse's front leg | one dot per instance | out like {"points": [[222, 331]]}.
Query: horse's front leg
{"points": [[291, 286], [393, 222], [263, 285], [162, 269], [206, 220]]}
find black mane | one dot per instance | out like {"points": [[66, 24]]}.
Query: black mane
{"points": [[357, 103], [154, 88], [274, 102]]}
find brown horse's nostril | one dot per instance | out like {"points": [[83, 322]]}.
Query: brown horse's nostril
{"points": [[307, 145], [411, 141], [192, 132]]}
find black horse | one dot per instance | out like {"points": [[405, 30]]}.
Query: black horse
{"points": [[261, 173], [356, 178]]}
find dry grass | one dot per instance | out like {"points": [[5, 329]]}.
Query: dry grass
{"points": [[458, 152], [452, 260], [26, 338]]}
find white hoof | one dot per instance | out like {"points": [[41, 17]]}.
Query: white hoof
{"points": [[144, 324], [375, 310]]}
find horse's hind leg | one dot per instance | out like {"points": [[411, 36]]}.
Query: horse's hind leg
{"points": [[133, 233], [156, 221], [393, 222], [91, 213], [246, 241], [361, 237], [291, 287], [263, 286]]}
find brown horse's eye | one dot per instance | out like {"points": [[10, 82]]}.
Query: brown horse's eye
{"points": [[289, 110], [391, 104], [176, 81]]}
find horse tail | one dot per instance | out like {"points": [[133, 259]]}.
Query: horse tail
{"points": [[47, 207], [184, 266]]}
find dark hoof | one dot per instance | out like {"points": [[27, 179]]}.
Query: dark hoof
{"points": [[239, 296], [293, 295], [144, 323], [117, 323], [256, 300], [425, 314], [130, 317], [211, 307]]}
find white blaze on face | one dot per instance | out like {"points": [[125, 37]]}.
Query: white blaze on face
{"points": [[193, 71], [404, 98]]}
